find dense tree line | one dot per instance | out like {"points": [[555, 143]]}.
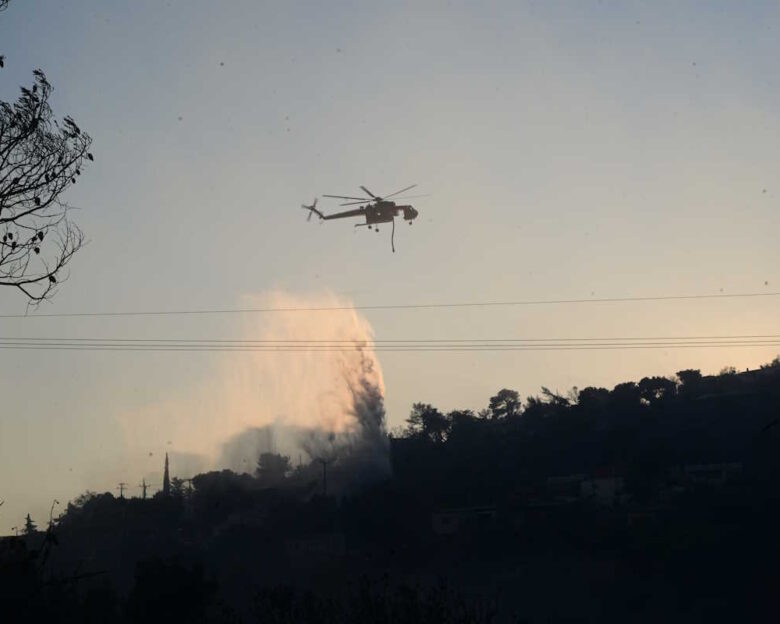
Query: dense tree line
{"points": [[641, 430], [224, 538]]}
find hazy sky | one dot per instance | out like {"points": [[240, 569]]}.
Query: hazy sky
{"points": [[571, 149]]}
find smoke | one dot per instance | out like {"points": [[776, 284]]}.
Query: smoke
{"points": [[322, 405], [360, 452]]}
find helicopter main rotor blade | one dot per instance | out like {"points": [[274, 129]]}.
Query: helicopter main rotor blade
{"points": [[369, 192], [369, 201], [345, 197], [411, 197], [408, 188]]}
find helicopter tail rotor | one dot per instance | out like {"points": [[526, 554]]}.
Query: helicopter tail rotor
{"points": [[312, 210]]}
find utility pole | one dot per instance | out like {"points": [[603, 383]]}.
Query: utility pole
{"points": [[144, 486], [324, 463], [166, 479], [121, 488]]}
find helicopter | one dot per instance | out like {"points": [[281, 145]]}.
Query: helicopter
{"points": [[375, 209]]}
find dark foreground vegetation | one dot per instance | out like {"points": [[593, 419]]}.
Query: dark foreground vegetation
{"points": [[653, 501]]}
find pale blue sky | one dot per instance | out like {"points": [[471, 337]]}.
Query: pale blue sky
{"points": [[615, 148]]}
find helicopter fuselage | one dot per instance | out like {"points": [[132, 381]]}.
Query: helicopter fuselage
{"points": [[386, 211], [378, 212]]}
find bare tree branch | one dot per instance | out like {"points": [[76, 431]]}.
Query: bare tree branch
{"points": [[40, 158], [3, 7]]}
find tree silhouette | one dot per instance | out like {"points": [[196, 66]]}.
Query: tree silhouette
{"points": [[177, 487], [553, 398], [505, 404], [625, 395], [690, 381], [83, 498], [29, 526], [39, 159], [272, 467], [427, 421], [462, 423], [654, 390], [593, 400]]}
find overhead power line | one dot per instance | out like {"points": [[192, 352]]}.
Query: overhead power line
{"points": [[400, 306], [420, 345], [399, 349], [391, 341]]}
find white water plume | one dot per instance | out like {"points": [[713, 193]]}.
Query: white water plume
{"points": [[306, 403]]}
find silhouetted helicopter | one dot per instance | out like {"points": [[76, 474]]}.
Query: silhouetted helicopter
{"points": [[376, 210]]}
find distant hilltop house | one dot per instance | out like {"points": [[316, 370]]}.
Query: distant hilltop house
{"points": [[255, 519], [736, 383], [607, 490], [711, 474], [604, 487], [454, 521]]}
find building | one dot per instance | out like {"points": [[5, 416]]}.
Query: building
{"points": [[604, 490], [711, 474]]}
